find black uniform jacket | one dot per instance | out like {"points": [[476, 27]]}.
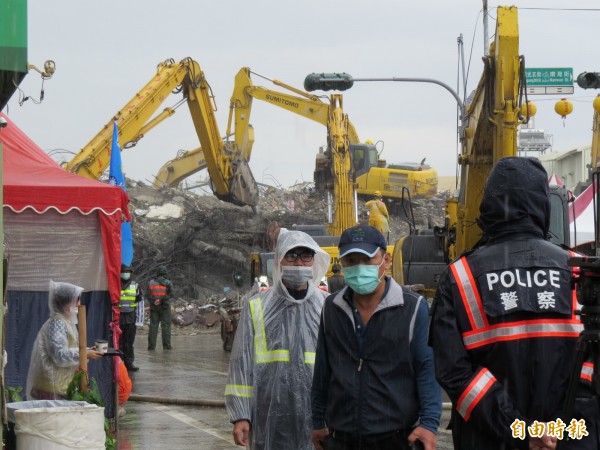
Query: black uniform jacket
{"points": [[503, 324]]}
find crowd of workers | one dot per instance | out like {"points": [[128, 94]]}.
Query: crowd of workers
{"points": [[362, 368]]}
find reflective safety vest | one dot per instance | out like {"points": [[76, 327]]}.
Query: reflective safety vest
{"points": [[128, 298], [157, 291], [262, 354], [482, 334]]}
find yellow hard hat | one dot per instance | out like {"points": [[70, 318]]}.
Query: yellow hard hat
{"points": [[378, 194]]}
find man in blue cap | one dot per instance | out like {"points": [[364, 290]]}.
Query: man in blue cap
{"points": [[374, 383]]}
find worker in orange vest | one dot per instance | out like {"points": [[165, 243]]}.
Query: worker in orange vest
{"points": [[160, 290]]}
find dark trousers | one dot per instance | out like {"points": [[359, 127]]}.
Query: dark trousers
{"points": [[160, 314], [126, 342], [387, 441]]}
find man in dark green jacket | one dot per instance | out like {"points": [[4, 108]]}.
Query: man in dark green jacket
{"points": [[160, 290]]}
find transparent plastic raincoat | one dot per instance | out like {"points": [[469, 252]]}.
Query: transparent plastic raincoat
{"points": [[272, 360], [55, 354]]}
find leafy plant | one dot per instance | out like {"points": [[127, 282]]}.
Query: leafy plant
{"points": [[92, 395], [13, 394]]}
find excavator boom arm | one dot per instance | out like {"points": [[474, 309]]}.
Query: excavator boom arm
{"points": [[93, 159], [230, 175], [491, 132]]}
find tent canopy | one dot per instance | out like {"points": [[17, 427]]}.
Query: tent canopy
{"points": [[581, 216], [32, 179], [59, 226]]}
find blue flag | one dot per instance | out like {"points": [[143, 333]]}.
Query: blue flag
{"points": [[115, 177]]}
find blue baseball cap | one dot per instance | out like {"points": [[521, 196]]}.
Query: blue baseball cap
{"points": [[361, 239]]}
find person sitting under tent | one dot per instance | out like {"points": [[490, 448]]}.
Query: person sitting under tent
{"points": [[55, 354]]}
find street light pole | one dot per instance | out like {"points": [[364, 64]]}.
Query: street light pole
{"points": [[343, 81], [461, 106]]}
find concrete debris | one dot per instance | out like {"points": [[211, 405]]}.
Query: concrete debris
{"points": [[203, 241], [167, 211]]}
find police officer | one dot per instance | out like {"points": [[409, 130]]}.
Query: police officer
{"points": [[131, 296], [160, 290], [503, 325]]}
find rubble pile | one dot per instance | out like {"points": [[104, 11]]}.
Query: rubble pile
{"points": [[203, 241]]}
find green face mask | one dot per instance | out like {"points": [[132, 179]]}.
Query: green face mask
{"points": [[363, 278]]}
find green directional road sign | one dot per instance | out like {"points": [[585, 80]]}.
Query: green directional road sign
{"points": [[554, 76]]}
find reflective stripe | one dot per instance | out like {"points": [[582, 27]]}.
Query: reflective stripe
{"points": [[261, 353], [484, 334], [238, 390], [128, 297], [586, 371], [309, 357], [158, 290], [469, 293], [524, 329], [474, 392]]}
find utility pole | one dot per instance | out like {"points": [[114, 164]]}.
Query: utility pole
{"points": [[486, 47]]}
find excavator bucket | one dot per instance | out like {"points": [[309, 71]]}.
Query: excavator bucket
{"points": [[243, 189]]}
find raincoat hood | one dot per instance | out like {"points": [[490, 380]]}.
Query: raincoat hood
{"points": [[516, 199], [291, 239], [62, 296]]}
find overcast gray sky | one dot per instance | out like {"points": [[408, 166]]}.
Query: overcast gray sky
{"points": [[107, 51]]}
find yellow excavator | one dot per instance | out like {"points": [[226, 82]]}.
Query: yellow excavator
{"points": [[338, 178], [488, 133], [336, 168], [230, 175], [396, 182]]}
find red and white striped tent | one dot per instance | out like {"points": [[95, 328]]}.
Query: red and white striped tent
{"points": [[581, 214], [581, 217]]}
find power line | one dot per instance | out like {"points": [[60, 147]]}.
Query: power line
{"points": [[562, 9]]}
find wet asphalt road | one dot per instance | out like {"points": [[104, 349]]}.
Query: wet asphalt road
{"points": [[196, 368]]}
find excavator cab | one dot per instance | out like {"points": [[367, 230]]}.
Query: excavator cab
{"points": [[364, 156], [395, 181], [559, 216]]}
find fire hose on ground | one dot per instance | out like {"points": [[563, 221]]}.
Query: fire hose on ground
{"points": [[203, 402]]}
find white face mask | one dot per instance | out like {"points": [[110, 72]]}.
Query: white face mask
{"points": [[296, 276], [74, 310]]}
